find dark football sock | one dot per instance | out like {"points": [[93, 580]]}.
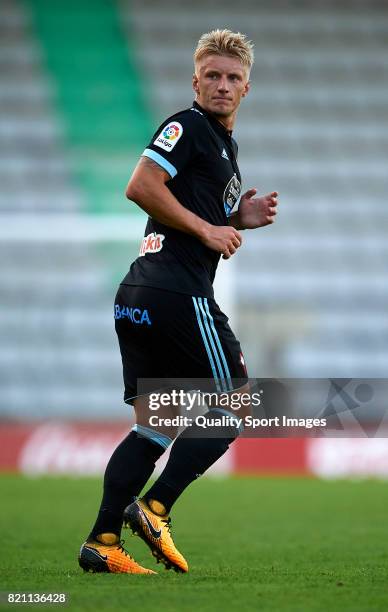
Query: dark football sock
{"points": [[191, 455], [128, 470]]}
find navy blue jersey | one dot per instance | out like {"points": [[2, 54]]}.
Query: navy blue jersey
{"points": [[200, 155]]}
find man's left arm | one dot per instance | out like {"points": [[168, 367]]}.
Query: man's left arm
{"points": [[254, 212]]}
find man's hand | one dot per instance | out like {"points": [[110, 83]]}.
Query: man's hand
{"points": [[255, 212], [223, 239]]}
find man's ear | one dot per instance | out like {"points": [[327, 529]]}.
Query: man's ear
{"points": [[246, 89], [195, 83]]}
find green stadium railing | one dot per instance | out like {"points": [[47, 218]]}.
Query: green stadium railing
{"points": [[99, 94]]}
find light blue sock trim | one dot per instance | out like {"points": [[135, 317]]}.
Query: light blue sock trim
{"points": [[159, 159], [228, 414], [152, 435]]}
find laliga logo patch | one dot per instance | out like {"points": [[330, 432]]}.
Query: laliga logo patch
{"points": [[169, 136], [171, 132], [153, 243]]}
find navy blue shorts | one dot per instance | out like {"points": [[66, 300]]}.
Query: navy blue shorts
{"points": [[167, 336]]}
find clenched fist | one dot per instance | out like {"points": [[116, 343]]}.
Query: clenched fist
{"points": [[223, 239]]}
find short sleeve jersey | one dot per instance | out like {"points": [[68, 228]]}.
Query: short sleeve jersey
{"points": [[200, 155]]}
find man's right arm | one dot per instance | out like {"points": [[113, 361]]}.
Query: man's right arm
{"points": [[147, 188]]}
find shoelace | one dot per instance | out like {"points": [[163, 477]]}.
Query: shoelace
{"points": [[168, 524], [121, 548]]}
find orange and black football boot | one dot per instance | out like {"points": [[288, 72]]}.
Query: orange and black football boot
{"points": [[155, 529], [108, 555]]}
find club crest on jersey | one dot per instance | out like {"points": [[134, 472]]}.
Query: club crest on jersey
{"points": [[231, 194], [153, 243], [169, 136]]}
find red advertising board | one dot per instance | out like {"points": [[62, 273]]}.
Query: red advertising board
{"points": [[76, 448]]}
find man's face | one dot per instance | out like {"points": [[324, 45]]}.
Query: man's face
{"points": [[220, 81]]}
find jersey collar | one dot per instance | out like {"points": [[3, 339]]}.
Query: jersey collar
{"points": [[218, 127]]}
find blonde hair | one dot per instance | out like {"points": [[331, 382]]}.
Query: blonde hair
{"points": [[225, 42]]}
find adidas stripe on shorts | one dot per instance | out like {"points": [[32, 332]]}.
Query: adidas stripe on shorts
{"points": [[167, 335]]}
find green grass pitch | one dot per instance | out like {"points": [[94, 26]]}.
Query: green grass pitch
{"points": [[252, 544]]}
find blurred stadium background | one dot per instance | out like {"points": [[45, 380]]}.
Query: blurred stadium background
{"points": [[83, 85]]}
